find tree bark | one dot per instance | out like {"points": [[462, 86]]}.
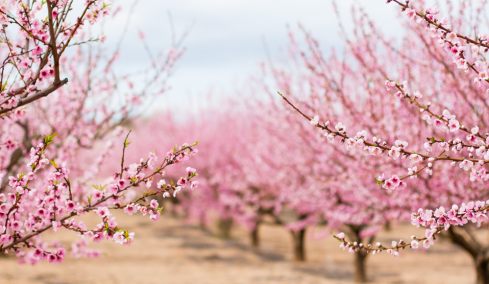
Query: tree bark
{"points": [[298, 238], [224, 227], [360, 275], [482, 271], [360, 270], [254, 237], [465, 240]]}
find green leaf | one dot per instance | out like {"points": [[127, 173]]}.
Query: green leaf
{"points": [[379, 182], [49, 138], [3, 86], [53, 162]]}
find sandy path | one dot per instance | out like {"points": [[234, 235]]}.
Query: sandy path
{"points": [[168, 252]]}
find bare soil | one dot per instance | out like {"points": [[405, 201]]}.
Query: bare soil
{"points": [[169, 251]]}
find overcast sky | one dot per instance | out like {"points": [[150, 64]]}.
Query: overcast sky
{"points": [[226, 42]]}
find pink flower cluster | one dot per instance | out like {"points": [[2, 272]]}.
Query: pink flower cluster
{"points": [[429, 125], [29, 212]]}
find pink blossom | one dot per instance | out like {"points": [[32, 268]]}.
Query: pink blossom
{"points": [[453, 125], [395, 180], [439, 212], [56, 225], [121, 183], [410, 13], [102, 212], [191, 171], [133, 170], [389, 185], [182, 182], [483, 75], [330, 137], [394, 153], [130, 209], [475, 130], [315, 120], [154, 216], [477, 82], [466, 165], [154, 204], [112, 223], [177, 189], [340, 127], [16, 225], [399, 95], [144, 210], [118, 238], [415, 158], [161, 183], [452, 37]]}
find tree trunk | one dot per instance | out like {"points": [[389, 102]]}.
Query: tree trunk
{"points": [[482, 271], [360, 271], [298, 238], [254, 237], [463, 238], [388, 226], [224, 227]]}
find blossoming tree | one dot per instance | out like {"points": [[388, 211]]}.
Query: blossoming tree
{"points": [[445, 74], [48, 194]]}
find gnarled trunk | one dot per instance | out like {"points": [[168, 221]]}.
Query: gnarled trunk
{"points": [[482, 271], [464, 239], [298, 238]]}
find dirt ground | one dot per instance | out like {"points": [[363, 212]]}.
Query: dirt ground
{"points": [[170, 252]]}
